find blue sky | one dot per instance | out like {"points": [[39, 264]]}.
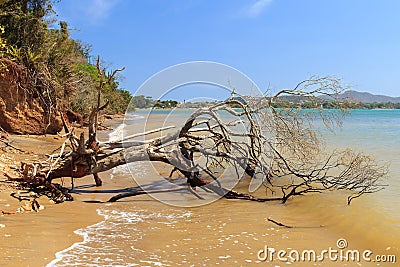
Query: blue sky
{"points": [[276, 43]]}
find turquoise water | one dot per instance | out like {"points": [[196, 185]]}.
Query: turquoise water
{"points": [[376, 132], [372, 220]]}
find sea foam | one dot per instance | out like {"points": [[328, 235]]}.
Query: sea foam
{"points": [[106, 243]]}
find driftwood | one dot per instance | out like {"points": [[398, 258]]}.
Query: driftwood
{"points": [[10, 145], [276, 147], [3, 140], [280, 224], [290, 226]]}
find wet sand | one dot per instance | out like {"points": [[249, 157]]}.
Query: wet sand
{"points": [[232, 232], [33, 238]]}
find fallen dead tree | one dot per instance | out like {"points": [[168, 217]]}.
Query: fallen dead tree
{"points": [[279, 148]]}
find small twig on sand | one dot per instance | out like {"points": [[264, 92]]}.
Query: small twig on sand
{"points": [[8, 144], [288, 226], [280, 224]]}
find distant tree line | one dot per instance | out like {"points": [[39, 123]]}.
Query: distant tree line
{"points": [[142, 101], [334, 105], [378, 105]]}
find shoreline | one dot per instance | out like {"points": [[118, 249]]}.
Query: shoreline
{"points": [[34, 238]]}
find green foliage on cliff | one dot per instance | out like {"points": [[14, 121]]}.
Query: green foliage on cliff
{"points": [[59, 68]]}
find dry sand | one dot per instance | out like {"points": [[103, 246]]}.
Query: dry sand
{"points": [[32, 238]]}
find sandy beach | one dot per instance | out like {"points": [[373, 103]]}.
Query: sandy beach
{"points": [[32, 238], [142, 231]]}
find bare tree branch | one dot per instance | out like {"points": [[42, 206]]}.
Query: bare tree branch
{"points": [[279, 147]]}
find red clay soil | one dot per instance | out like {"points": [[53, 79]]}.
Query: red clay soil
{"points": [[20, 112]]}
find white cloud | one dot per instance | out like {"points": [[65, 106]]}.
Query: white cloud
{"points": [[100, 9], [258, 7]]}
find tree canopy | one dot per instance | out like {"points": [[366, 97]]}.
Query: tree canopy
{"points": [[59, 68]]}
